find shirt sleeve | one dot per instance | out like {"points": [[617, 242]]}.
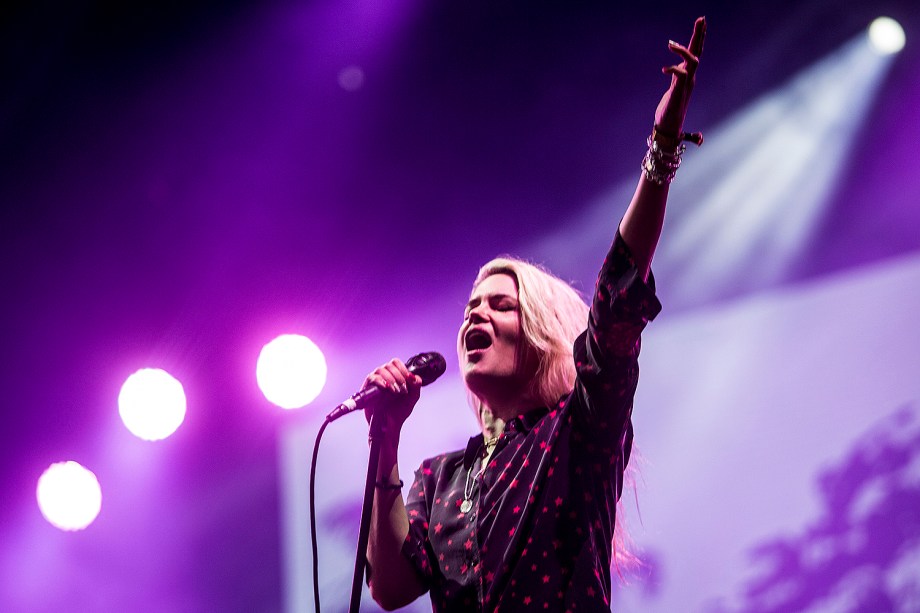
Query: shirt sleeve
{"points": [[606, 354], [417, 547]]}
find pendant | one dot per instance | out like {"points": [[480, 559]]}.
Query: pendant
{"points": [[465, 506]]}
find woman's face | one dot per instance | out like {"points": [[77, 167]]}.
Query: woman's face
{"points": [[490, 341]]}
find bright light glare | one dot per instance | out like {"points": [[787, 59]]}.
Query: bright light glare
{"points": [[886, 35], [152, 404], [760, 186], [769, 171], [69, 496], [291, 371]]}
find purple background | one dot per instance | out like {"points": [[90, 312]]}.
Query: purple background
{"points": [[181, 182]]}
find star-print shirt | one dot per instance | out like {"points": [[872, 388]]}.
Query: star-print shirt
{"points": [[536, 532]]}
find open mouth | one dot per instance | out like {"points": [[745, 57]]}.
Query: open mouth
{"points": [[477, 339]]}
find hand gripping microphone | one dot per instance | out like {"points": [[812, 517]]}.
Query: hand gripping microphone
{"points": [[429, 366]]}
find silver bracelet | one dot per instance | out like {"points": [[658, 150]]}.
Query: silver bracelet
{"points": [[660, 166]]}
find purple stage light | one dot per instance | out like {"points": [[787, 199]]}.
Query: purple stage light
{"points": [[69, 496], [152, 404], [291, 371]]}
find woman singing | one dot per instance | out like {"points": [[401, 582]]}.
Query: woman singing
{"points": [[525, 516]]}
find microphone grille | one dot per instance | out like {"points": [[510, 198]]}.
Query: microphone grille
{"points": [[429, 366]]}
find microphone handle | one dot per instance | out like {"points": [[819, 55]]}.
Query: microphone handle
{"points": [[349, 405], [429, 366]]}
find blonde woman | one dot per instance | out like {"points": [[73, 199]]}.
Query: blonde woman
{"points": [[525, 515]]}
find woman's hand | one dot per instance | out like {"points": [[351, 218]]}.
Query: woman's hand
{"points": [[401, 390], [671, 111]]}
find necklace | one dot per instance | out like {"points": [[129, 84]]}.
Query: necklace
{"points": [[467, 504]]}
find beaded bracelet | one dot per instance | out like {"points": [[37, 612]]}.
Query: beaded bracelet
{"points": [[389, 486]]}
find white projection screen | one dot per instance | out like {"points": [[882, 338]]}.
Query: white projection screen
{"points": [[779, 455]]}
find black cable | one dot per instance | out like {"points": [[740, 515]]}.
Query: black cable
{"points": [[319, 436]]}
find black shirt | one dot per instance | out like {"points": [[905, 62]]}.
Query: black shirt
{"points": [[534, 529]]}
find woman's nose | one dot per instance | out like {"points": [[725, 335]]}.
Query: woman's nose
{"points": [[478, 314]]}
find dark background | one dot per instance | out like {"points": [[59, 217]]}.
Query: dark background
{"points": [[181, 181]]}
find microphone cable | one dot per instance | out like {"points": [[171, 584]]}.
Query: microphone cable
{"points": [[319, 436]]}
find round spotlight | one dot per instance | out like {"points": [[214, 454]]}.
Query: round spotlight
{"points": [[351, 78], [886, 36], [69, 496], [151, 404], [291, 371]]}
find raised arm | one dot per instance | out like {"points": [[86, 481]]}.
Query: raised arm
{"points": [[641, 225]]}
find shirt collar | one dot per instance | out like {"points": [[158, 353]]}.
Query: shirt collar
{"points": [[472, 450], [525, 423], [522, 423]]}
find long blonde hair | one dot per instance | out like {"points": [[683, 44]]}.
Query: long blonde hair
{"points": [[553, 314]]}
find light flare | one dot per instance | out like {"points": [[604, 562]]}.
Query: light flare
{"points": [[291, 371], [152, 404], [69, 496], [886, 36]]}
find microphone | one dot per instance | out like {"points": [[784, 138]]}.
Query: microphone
{"points": [[429, 366]]}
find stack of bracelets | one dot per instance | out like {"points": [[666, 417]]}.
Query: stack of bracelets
{"points": [[662, 159]]}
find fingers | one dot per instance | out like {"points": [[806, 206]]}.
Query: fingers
{"points": [[690, 55], [395, 377], [678, 71], [699, 34], [683, 52]]}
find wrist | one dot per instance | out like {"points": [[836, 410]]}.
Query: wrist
{"points": [[671, 140], [666, 139], [389, 455], [387, 472], [383, 484]]}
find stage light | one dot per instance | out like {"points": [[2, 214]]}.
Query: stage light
{"points": [[69, 496], [886, 35], [759, 185], [351, 78], [152, 404], [291, 371]]}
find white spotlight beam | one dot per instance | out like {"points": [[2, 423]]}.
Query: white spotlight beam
{"points": [[745, 204], [767, 176]]}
